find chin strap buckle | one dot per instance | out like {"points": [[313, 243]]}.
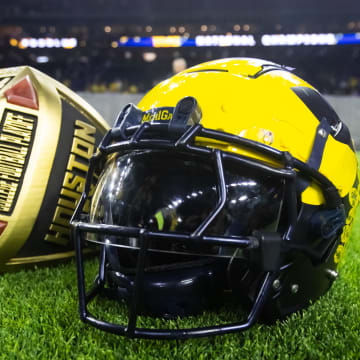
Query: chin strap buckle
{"points": [[270, 248]]}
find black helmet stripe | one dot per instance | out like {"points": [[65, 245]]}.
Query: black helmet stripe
{"points": [[323, 110]]}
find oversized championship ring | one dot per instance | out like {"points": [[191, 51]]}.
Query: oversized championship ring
{"points": [[47, 135]]}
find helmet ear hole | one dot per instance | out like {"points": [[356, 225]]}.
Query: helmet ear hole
{"points": [[328, 223]]}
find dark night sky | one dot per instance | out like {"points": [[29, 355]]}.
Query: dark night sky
{"points": [[181, 11]]}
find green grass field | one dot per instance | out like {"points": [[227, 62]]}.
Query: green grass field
{"points": [[39, 320]]}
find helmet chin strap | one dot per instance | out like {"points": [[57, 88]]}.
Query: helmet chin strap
{"points": [[172, 290]]}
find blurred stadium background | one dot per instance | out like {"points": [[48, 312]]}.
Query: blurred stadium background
{"points": [[124, 47]]}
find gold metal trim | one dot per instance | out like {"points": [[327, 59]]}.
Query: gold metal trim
{"points": [[38, 259]]}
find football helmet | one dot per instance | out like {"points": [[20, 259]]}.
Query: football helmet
{"points": [[234, 178], [47, 135]]}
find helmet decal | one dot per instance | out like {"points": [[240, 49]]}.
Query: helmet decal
{"points": [[352, 201], [158, 114]]}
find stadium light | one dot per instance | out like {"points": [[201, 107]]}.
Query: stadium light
{"points": [[42, 59], [66, 43]]}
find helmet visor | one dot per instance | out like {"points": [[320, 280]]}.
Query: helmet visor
{"points": [[171, 192]]}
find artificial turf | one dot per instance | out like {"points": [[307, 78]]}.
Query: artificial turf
{"points": [[39, 320]]}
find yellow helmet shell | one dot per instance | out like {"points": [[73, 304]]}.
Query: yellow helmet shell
{"points": [[255, 99]]}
